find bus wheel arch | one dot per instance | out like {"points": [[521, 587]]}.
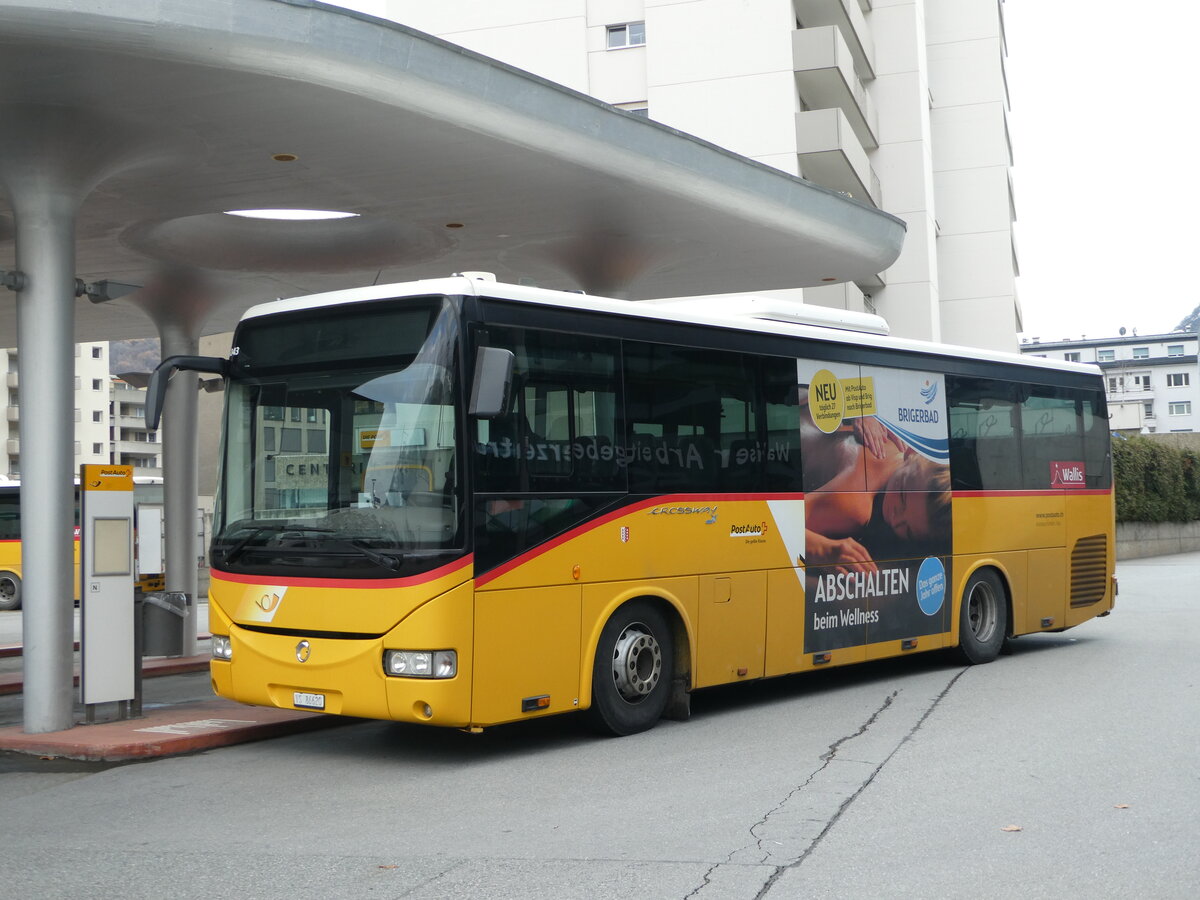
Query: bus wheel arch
{"points": [[641, 667], [10, 590], [985, 616]]}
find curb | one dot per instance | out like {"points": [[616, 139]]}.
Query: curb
{"points": [[186, 728]]}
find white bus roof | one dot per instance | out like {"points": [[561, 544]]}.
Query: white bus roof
{"points": [[742, 312]]}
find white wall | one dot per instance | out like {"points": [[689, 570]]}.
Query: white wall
{"points": [[971, 159], [723, 70]]}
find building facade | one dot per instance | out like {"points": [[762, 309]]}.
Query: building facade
{"points": [[1152, 381], [900, 103], [110, 416]]}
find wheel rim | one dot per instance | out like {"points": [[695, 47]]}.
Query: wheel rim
{"points": [[982, 612], [637, 663], [8, 588]]}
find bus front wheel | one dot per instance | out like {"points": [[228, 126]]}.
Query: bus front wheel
{"points": [[10, 591], [631, 677], [983, 619]]}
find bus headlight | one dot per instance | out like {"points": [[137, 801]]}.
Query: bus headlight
{"points": [[420, 663], [222, 647]]}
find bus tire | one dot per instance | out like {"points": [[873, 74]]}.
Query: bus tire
{"points": [[10, 591], [983, 618], [631, 677]]}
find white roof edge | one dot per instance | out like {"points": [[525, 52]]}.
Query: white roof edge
{"points": [[661, 311]]}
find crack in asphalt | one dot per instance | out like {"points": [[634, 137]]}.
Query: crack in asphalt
{"points": [[845, 804], [827, 758]]}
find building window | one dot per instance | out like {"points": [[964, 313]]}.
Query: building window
{"points": [[1148, 408], [97, 353], [1141, 352], [1106, 355], [1174, 349], [1141, 382], [1178, 379], [631, 34], [1071, 356], [97, 448], [1116, 383], [97, 416], [290, 440], [97, 384], [1180, 408]]}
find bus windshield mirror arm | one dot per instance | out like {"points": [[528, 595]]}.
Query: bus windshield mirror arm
{"points": [[157, 389]]}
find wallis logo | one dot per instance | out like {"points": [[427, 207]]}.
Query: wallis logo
{"points": [[1068, 474]]}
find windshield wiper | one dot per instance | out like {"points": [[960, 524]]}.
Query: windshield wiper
{"points": [[380, 559], [257, 531]]}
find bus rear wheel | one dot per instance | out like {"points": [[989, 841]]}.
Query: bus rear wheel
{"points": [[10, 591], [631, 677], [983, 618]]}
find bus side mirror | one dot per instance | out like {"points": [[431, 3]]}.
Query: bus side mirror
{"points": [[156, 392], [490, 386]]}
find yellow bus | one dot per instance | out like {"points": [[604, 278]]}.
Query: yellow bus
{"points": [[147, 489], [463, 503]]}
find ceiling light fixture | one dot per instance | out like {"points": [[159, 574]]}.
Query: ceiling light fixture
{"points": [[303, 215]]}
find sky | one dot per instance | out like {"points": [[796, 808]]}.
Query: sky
{"points": [[1104, 127], [1103, 108]]}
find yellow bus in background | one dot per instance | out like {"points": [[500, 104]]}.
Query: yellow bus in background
{"points": [[464, 503], [146, 488]]}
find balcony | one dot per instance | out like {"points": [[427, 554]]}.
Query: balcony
{"points": [[14, 447], [825, 79], [14, 414], [847, 17], [13, 380], [137, 448], [832, 156]]}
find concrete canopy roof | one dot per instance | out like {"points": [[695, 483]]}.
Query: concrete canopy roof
{"points": [[176, 112]]}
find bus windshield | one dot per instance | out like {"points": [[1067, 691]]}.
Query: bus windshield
{"points": [[339, 452]]}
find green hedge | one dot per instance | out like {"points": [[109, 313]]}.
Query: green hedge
{"points": [[1155, 482]]}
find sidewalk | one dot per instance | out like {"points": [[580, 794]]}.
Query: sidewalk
{"points": [[179, 717]]}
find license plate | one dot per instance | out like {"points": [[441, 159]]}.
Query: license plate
{"points": [[308, 701]]}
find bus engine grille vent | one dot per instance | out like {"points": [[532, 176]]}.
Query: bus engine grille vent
{"points": [[1089, 570]]}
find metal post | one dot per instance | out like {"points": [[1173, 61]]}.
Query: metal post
{"points": [[45, 251]]}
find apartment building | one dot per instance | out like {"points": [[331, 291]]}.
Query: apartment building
{"points": [[1152, 380], [901, 104], [109, 416]]}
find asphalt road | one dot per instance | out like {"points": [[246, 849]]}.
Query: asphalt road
{"points": [[1066, 769]]}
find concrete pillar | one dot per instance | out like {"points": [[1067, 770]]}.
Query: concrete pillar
{"points": [[45, 253], [51, 157], [179, 301], [46, 175], [180, 480]]}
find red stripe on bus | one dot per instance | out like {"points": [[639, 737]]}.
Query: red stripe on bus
{"points": [[373, 584], [607, 518], [1047, 492]]}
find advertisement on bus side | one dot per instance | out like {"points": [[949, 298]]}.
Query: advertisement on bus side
{"points": [[877, 507]]}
